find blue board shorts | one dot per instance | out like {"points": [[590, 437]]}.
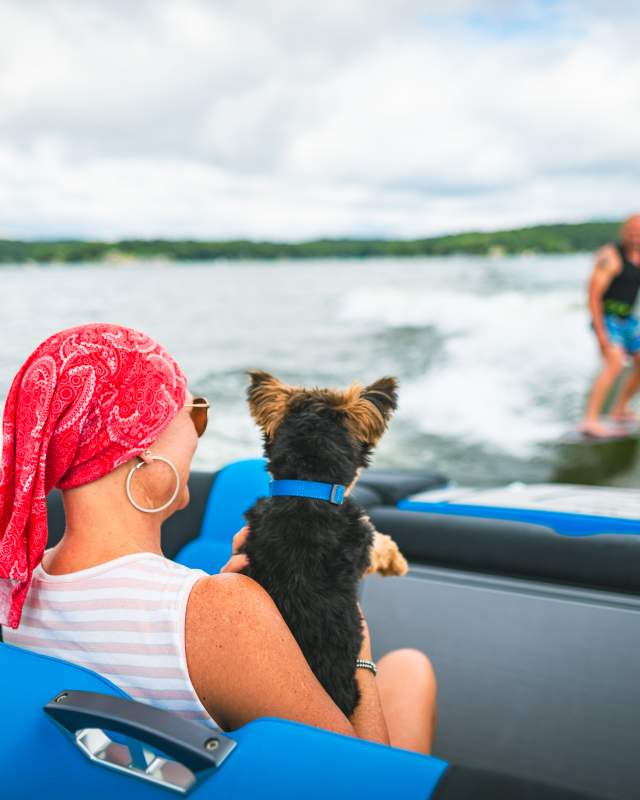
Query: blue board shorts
{"points": [[624, 332]]}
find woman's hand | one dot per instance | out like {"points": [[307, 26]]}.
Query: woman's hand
{"points": [[238, 561]]}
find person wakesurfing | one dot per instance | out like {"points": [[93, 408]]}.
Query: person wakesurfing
{"points": [[613, 289]]}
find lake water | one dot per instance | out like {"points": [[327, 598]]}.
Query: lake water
{"points": [[494, 355]]}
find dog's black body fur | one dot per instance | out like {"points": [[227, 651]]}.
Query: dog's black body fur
{"points": [[310, 554]]}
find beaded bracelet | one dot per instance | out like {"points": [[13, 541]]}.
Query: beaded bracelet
{"points": [[370, 665]]}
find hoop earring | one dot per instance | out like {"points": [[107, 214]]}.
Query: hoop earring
{"points": [[169, 501]]}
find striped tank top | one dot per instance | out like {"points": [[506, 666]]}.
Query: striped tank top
{"points": [[124, 619]]}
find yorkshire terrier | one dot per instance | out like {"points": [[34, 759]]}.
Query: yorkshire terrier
{"points": [[310, 553]]}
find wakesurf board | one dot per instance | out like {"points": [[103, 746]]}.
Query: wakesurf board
{"points": [[627, 429]]}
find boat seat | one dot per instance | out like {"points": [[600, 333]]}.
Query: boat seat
{"points": [[68, 732], [233, 491], [268, 758], [566, 523], [393, 486], [514, 548]]}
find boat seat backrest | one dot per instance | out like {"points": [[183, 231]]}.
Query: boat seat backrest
{"points": [[234, 490], [31, 748], [275, 758]]}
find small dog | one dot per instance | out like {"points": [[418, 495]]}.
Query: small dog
{"points": [[310, 554]]}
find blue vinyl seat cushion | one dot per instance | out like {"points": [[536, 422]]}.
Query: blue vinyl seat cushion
{"points": [[273, 758], [235, 489]]}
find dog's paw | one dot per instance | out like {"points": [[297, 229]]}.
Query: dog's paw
{"points": [[385, 557]]}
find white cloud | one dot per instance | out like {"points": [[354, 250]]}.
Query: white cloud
{"points": [[296, 119]]}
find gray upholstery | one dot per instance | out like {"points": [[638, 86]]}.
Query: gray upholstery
{"points": [[536, 680]]}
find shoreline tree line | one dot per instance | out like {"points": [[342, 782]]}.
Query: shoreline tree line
{"points": [[558, 238]]}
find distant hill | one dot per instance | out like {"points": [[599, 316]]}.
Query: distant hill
{"points": [[561, 238]]}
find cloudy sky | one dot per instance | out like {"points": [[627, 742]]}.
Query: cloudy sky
{"points": [[296, 118]]}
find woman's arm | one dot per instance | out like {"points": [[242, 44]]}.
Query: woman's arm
{"points": [[368, 717], [244, 663]]}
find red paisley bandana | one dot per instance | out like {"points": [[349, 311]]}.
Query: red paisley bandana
{"points": [[87, 400]]}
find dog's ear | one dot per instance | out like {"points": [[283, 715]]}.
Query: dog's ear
{"points": [[268, 398], [369, 411], [384, 395]]}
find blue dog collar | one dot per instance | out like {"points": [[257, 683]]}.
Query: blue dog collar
{"points": [[331, 492]]}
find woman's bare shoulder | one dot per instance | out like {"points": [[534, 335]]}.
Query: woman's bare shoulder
{"points": [[218, 601], [243, 660]]}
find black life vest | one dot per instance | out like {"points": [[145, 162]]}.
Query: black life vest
{"points": [[622, 292]]}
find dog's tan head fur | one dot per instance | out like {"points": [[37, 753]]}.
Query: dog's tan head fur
{"points": [[367, 409]]}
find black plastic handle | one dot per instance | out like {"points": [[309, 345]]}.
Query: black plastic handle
{"points": [[190, 743]]}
